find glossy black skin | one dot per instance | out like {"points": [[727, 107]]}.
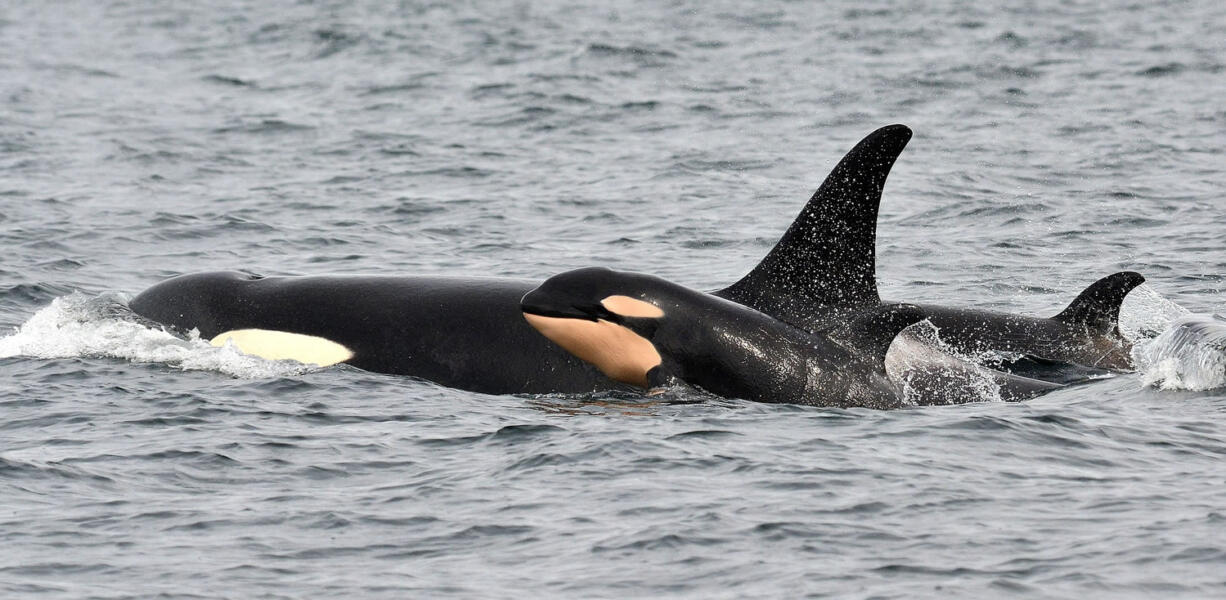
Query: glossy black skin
{"points": [[731, 350], [466, 333], [822, 273]]}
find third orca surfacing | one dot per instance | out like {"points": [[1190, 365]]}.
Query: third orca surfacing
{"points": [[823, 272]]}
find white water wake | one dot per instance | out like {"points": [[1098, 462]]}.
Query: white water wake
{"points": [[77, 325], [1173, 348]]}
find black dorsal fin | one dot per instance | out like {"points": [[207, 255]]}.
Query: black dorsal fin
{"points": [[1098, 307], [827, 258], [872, 331]]}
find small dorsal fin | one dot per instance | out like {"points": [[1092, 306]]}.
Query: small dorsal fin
{"points": [[827, 258], [1098, 307], [872, 331]]}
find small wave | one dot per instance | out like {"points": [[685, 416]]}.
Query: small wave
{"points": [[1163, 70], [334, 41], [264, 126], [641, 105], [31, 293], [695, 165], [634, 51], [395, 88], [78, 325], [228, 80]]}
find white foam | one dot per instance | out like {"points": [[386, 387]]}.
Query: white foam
{"points": [[103, 326], [1173, 348], [918, 352], [1145, 314], [1189, 355]]}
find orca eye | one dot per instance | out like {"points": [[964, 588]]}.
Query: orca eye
{"points": [[598, 311]]}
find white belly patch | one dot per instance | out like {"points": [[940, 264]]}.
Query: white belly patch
{"points": [[283, 345]]}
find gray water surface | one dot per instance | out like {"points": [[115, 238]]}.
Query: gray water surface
{"points": [[1055, 142]]}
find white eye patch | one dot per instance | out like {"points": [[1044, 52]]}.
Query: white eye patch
{"points": [[283, 345], [631, 307]]}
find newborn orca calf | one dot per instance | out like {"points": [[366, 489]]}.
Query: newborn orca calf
{"points": [[652, 333]]}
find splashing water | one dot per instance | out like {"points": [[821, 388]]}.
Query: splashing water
{"points": [[1189, 355], [1145, 314], [928, 371], [104, 326], [1173, 348]]}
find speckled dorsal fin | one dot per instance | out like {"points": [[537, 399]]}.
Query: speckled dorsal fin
{"points": [[827, 257], [1098, 307]]}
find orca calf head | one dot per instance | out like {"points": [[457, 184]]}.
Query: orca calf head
{"points": [[649, 332], [603, 317]]}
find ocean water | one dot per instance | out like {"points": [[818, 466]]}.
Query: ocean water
{"points": [[1055, 142]]}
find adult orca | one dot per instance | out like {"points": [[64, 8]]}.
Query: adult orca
{"points": [[823, 272], [651, 333], [466, 333]]}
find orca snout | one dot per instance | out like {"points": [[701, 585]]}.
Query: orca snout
{"points": [[542, 303], [595, 294], [590, 325]]}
